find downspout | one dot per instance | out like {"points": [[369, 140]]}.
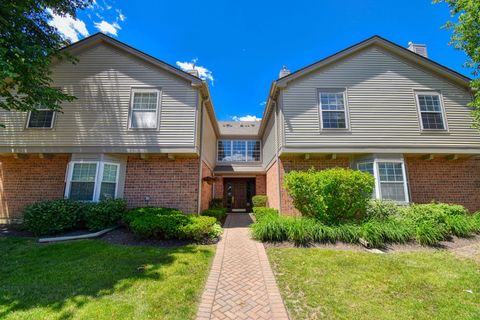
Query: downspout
{"points": [[277, 158], [200, 163]]}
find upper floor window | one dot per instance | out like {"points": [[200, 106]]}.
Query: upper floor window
{"points": [[238, 150], [333, 112], [431, 111], [390, 178], [92, 180], [42, 117], [144, 109]]}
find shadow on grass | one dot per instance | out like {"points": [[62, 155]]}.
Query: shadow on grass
{"points": [[56, 275]]}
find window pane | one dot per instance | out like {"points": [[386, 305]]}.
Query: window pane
{"points": [[332, 101], [144, 119], [253, 150], [333, 119], [429, 103], [432, 120], [144, 100], [239, 150], [107, 190], [82, 190], [84, 172], [390, 171], [40, 119], [366, 167], [224, 150], [110, 173], [392, 191]]}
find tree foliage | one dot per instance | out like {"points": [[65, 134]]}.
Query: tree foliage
{"points": [[466, 37], [27, 46]]}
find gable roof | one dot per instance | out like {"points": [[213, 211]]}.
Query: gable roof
{"points": [[411, 56], [99, 37]]}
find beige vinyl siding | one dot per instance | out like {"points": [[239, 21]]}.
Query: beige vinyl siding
{"points": [[209, 148], [102, 81], [269, 142], [381, 103]]}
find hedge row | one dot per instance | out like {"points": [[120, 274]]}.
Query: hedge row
{"points": [[56, 216]]}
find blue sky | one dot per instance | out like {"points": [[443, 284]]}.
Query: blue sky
{"points": [[244, 44]]}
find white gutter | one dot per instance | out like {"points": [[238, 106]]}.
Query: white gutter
{"points": [[78, 237]]}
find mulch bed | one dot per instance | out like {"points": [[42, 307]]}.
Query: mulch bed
{"points": [[468, 246], [14, 231]]}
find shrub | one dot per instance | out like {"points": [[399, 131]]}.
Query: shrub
{"points": [[53, 216], [381, 209], [164, 226], [216, 203], [217, 213], [330, 195], [429, 233], [104, 214], [459, 225], [260, 212], [168, 223], [259, 201], [140, 212], [197, 228]]}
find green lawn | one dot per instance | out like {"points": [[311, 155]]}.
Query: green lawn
{"points": [[91, 279], [328, 284]]}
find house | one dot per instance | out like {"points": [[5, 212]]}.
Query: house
{"points": [[146, 131]]}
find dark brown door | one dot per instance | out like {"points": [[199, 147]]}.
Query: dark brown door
{"points": [[236, 193]]}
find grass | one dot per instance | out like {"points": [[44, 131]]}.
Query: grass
{"points": [[91, 279], [327, 284]]}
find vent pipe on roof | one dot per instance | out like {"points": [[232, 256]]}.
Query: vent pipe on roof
{"points": [[284, 72], [193, 71], [420, 49]]}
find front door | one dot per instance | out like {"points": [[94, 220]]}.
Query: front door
{"points": [[236, 193]]}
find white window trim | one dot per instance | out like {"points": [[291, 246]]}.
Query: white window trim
{"points": [[41, 128], [442, 112], [98, 178], [246, 151], [158, 91], [345, 107], [378, 192]]}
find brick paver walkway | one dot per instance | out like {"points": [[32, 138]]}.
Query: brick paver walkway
{"points": [[241, 284]]}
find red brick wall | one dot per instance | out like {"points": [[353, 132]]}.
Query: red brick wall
{"points": [[26, 181], [298, 163], [272, 187], [218, 188], [207, 189], [168, 183], [451, 181], [260, 185]]}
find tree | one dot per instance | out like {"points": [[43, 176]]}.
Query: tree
{"points": [[28, 44], [466, 37]]}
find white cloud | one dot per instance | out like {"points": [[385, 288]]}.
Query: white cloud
{"points": [[263, 103], [108, 28], [246, 118], [121, 16], [203, 72], [71, 28]]}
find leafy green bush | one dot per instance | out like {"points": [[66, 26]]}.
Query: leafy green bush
{"points": [[330, 195], [168, 223], [259, 201], [260, 212], [53, 216], [104, 214], [197, 228], [140, 212], [217, 213], [381, 209]]}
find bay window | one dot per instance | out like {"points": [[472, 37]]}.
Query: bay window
{"points": [[390, 178], [92, 180]]}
